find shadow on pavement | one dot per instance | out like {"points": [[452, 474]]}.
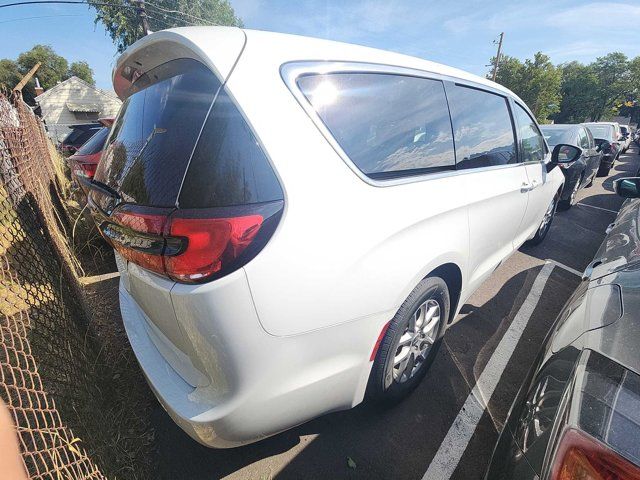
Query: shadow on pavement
{"points": [[396, 442]]}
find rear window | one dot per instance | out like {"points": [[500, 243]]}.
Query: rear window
{"points": [[80, 135], [555, 135], [96, 143], [388, 125], [604, 132], [156, 131]]}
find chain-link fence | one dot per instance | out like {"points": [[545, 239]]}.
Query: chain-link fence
{"points": [[45, 353]]}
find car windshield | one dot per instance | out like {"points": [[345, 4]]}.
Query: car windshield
{"points": [[602, 131], [556, 135]]}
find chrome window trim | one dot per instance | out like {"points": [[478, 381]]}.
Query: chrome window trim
{"points": [[291, 71]]}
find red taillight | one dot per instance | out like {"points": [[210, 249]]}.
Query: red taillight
{"points": [[189, 245], [211, 243], [87, 170], [580, 456]]}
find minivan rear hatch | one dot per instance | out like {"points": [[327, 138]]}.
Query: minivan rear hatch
{"points": [[183, 192]]}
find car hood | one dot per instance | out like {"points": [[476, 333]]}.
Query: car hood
{"points": [[621, 247]]}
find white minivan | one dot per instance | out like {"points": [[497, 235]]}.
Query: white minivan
{"points": [[298, 221]]}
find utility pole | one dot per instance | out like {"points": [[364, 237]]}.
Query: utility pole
{"points": [[497, 59], [26, 78], [142, 14]]}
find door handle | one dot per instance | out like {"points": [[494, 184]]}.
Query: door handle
{"points": [[526, 187]]}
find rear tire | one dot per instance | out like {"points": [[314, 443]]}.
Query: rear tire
{"points": [[411, 342], [603, 171], [545, 224]]}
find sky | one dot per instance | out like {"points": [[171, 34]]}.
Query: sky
{"points": [[457, 33]]}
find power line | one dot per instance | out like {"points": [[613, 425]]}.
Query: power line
{"points": [[165, 15], [76, 2], [43, 16], [200, 19]]}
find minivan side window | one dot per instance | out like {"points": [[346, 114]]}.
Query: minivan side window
{"points": [[389, 125], [482, 128], [531, 140]]}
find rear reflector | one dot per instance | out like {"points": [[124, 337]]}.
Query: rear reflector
{"points": [[580, 456], [191, 246]]}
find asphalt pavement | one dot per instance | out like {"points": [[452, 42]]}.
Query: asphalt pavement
{"points": [[447, 428]]}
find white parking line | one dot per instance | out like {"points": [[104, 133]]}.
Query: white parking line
{"points": [[597, 208], [455, 443], [565, 267]]}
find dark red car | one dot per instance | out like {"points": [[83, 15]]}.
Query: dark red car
{"points": [[84, 162]]}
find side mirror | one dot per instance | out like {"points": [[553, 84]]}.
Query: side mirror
{"points": [[564, 154], [628, 187]]}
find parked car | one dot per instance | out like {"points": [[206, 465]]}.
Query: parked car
{"points": [[288, 245], [577, 413], [84, 162], [625, 131], [78, 136], [606, 139], [580, 173]]}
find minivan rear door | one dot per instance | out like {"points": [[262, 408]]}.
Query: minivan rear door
{"points": [[141, 171]]}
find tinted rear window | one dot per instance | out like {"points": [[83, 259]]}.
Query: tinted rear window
{"points": [[388, 125], [604, 132], [96, 143], [156, 131], [80, 135], [228, 166], [482, 128], [555, 135]]}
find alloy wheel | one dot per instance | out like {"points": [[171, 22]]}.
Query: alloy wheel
{"points": [[548, 216], [416, 340]]}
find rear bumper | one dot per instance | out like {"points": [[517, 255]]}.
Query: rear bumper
{"points": [[259, 384]]}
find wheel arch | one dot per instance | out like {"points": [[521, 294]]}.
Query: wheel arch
{"points": [[452, 276]]}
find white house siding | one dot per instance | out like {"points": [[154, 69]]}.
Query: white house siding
{"points": [[56, 114]]}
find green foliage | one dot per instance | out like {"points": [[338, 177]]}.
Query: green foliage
{"points": [[9, 74], [536, 81], [573, 92], [53, 68], [81, 70], [123, 24], [579, 92], [612, 72]]}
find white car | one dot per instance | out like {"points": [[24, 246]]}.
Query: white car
{"points": [[298, 221]]}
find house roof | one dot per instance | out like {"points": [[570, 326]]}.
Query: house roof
{"points": [[75, 79]]}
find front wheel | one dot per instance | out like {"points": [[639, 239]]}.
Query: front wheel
{"points": [[411, 342], [545, 224]]}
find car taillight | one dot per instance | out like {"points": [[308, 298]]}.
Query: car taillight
{"points": [[212, 243], [192, 245], [580, 456], [85, 169]]}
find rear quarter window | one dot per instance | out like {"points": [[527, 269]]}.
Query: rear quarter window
{"points": [[389, 125]]}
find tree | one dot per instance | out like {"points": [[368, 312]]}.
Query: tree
{"points": [[9, 75], [53, 68], [121, 18], [613, 83], [537, 81], [579, 90], [82, 70]]}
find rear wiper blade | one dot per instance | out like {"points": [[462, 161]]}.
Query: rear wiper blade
{"points": [[100, 187]]}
